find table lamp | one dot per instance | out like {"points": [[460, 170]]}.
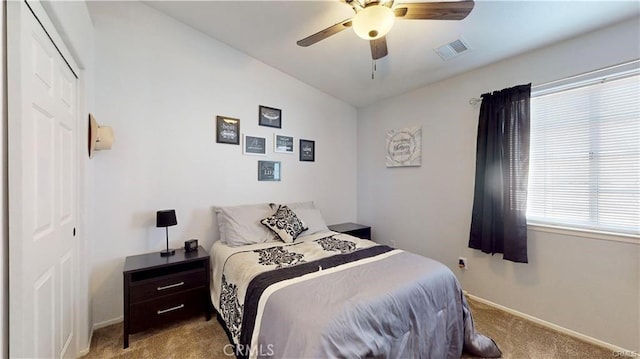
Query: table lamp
{"points": [[166, 218]]}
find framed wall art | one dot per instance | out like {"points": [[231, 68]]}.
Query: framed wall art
{"points": [[307, 150], [282, 143], [227, 130], [253, 145], [268, 171], [269, 116], [404, 147]]}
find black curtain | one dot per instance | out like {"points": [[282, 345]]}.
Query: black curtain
{"points": [[498, 221]]}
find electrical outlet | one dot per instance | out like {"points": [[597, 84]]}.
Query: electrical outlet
{"points": [[392, 243], [462, 263]]}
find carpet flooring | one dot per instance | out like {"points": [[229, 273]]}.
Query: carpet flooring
{"points": [[196, 338]]}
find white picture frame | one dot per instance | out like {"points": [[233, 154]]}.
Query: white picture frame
{"points": [[282, 143]]}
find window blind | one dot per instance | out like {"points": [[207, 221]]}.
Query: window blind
{"points": [[585, 155]]}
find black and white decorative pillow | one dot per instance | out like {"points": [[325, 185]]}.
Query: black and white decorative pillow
{"points": [[285, 224]]}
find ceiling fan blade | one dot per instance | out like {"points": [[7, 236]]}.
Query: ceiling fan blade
{"points": [[323, 34], [454, 10], [379, 48]]}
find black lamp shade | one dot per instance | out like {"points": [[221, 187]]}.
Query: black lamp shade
{"points": [[166, 218]]}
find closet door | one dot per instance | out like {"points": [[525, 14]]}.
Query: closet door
{"points": [[42, 151]]}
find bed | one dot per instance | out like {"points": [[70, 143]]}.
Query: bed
{"points": [[324, 294]]}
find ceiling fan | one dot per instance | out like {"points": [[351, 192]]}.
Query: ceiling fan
{"points": [[374, 19]]}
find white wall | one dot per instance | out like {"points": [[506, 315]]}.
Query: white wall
{"points": [[160, 85], [587, 285], [4, 235]]}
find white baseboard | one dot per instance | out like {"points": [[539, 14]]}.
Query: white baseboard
{"points": [[85, 351], [95, 327], [544, 323], [107, 323]]}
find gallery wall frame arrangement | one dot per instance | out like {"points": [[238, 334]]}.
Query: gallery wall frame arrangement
{"points": [[282, 143], [254, 145], [227, 130], [269, 116], [268, 170], [404, 147], [307, 150]]}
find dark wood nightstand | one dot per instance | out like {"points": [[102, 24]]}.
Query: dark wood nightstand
{"points": [[354, 229], [159, 290]]}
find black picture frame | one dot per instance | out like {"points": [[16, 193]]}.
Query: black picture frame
{"points": [[268, 170], [307, 150], [254, 145], [227, 130], [269, 116]]}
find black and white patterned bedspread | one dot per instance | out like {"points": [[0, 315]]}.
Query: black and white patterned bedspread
{"points": [[337, 296], [242, 267]]}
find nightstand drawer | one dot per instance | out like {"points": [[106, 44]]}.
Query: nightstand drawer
{"points": [[353, 229], [166, 285], [167, 309], [363, 233]]}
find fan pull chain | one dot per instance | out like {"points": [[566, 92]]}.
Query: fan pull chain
{"points": [[373, 69]]}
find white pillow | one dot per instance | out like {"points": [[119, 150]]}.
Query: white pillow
{"points": [[312, 217], [240, 225]]}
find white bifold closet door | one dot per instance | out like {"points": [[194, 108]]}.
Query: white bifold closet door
{"points": [[43, 153]]}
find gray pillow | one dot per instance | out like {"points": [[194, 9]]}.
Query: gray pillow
{"points": [[240, 225], [294, 206], [312, 217]]}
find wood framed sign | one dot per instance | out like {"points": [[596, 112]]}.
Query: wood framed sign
{"points": [[404, 147]]}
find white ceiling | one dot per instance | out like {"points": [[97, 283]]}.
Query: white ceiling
{"points": [[341, 65]]}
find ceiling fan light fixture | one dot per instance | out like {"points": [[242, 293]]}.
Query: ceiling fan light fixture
{"points": [[373, 22]]}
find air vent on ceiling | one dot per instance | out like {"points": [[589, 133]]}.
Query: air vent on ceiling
{"points": [[452, 49]]}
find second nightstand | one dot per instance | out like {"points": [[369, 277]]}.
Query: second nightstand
{"points": [[354, 229]]}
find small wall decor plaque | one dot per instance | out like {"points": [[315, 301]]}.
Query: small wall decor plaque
{"points": [[227, 130], [282, 144], [268, 171], [269, 116], [307, 150], [254, 145], [404, 147]]}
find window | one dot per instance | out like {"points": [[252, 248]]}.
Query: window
{"points": [[584, 169]]}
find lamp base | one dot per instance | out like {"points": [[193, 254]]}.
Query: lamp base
{"points": [[167, 252]]}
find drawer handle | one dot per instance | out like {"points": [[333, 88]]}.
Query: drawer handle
{"points": [[171, 309], [171, 286]]}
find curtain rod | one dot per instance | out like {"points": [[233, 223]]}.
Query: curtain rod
{"points": [[475, 100]]}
